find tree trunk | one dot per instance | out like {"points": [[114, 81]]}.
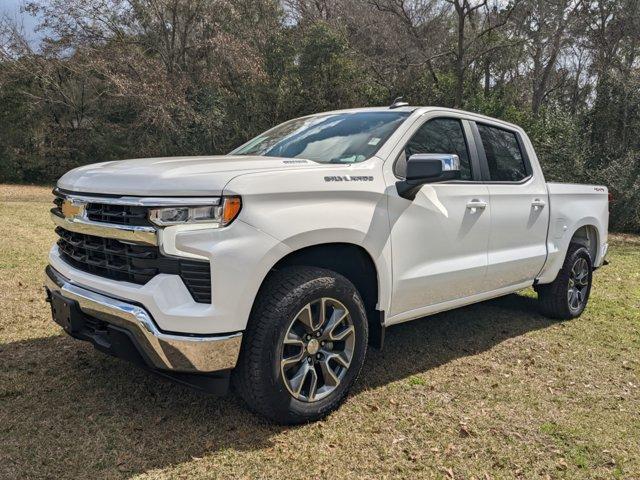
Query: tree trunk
{"points": [[487, 77], [459, 67]]}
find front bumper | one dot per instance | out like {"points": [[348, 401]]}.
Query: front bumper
{"points": [[193, 354]]}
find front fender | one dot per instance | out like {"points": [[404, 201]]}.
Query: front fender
{"points": [[303, 209]]}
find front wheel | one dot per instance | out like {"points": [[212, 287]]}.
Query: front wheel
{"points": [[567, 296], [304, 346]]}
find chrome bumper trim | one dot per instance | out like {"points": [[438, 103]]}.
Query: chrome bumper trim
{"points": [[180, 353], [127, 233]]}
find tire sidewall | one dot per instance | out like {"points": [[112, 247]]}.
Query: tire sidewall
{"points": [[283, 405]]}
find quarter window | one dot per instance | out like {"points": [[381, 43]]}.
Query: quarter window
{"points": [[440, 135], [504, 157]]}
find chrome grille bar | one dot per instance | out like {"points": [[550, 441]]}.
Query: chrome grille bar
{"points": [[140, 201], [126, 233]]}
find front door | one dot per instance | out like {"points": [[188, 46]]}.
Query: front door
{"points": [[439, 240]]}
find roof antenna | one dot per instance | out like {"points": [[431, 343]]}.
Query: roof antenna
{"points": [[397, 103]]}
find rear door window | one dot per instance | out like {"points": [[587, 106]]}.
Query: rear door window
{"points": [[504, 157]]}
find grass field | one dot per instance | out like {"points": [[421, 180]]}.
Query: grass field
{"points": [[489, 391]]}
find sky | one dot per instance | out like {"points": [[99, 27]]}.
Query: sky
{"points": [[11, 9]]}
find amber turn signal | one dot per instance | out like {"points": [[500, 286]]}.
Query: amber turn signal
{"points": [[230, 209]]}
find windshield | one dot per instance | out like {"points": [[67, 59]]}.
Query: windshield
{"points": [[328, 138]]}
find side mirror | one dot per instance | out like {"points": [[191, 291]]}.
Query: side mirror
{"points": [[428, 168]]}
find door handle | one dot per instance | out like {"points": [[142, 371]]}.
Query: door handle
{"points": [[538, 204], [476, 204]]}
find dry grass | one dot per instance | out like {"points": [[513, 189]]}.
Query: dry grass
{"points": [[24, 193], [490, 391]]}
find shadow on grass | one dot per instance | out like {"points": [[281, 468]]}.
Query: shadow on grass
{"points": [[70, 412], [420, 345]]}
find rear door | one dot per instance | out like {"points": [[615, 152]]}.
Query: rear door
{"points": [[519, 207]]}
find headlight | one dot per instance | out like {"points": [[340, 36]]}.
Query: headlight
{"points": [[219, 215]]}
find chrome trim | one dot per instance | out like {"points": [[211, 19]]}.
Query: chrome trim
{"points": [[127, 233], [450, 162], [180, 353], [141, 201]]}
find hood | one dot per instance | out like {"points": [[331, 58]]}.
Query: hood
{"points": [[178, 176]]}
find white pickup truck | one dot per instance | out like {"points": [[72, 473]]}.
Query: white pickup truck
{"points": [[277, 265]]}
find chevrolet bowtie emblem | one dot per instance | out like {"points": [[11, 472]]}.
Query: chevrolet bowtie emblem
{"points": [[71, 210]]}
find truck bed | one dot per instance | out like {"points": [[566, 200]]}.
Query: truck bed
{"points": [[568, 202]]}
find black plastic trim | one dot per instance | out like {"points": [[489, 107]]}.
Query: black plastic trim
{"points": [[476, 168], [116, 260], [377, 329]]}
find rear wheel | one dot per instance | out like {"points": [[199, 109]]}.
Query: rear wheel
{"points": [[567, 296], [304, 345]]}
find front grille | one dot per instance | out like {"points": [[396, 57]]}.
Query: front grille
{"points": [[134, 215], [118, 214], [57, 201], [132, 263]]}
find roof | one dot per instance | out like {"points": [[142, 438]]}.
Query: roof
{"points": [[419, 110]]}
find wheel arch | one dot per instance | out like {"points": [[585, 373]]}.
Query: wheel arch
{"points": [[588, 232], [587, 235], [351, 261]]}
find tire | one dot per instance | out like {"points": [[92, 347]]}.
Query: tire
{"points": [[556, 299], [289, 304]]}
